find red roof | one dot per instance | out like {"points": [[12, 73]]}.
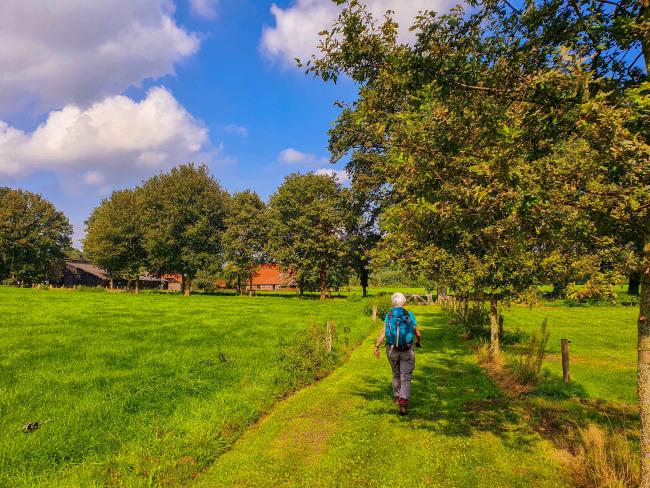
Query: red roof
{"points": [[269, 274]]}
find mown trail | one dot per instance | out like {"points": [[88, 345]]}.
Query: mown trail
{"points": [[345, 431]]}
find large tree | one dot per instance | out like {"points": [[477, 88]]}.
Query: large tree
{"points": [[245, 237], [114, 236], [183, 215], [308, 215], [34, 236], [554, 95]]}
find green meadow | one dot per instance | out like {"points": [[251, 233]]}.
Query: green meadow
{"points": [[157, 389], [144, 389]]}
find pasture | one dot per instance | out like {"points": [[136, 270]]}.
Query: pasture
{"points": [[153, 390], [144, 389]]}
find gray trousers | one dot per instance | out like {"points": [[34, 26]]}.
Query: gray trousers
{"points": [[402, 364]]}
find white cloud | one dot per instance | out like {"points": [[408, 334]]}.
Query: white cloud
{"points": [[341, 175], [115, 140], [71, 51], [236, 129], [204, 8], [295, 34], [292, 156]]}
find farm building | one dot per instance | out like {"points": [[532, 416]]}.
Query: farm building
{"points": [[85, 273], [269, 277]]}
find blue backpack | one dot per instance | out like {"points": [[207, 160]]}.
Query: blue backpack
{"points": [[400, 328]]}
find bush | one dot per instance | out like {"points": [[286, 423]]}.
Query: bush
{"points": [[383, 304], [597, 289], [308, 358], [529, 365], [473, 322], [531, 297]]}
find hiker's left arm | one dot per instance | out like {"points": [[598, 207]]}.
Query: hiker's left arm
{"points": [[418, 335]]}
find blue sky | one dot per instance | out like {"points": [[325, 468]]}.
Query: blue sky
{"points": [[97, 96]]}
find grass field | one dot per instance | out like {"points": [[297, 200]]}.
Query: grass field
{"points": [[460, 432], [602, 349], [153, 389], [142, 389]]}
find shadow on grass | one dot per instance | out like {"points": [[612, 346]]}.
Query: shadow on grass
{"points": [[451, 393]]}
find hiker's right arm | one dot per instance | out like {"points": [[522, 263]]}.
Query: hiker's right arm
{"points": [[380, 339]]}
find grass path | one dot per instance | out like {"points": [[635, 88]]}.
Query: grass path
{"points": [[344, 431]]}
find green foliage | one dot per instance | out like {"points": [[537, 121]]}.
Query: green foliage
{"points": [[34, 238], [307, 357], [183, 219], [308, 215], [245, 238], [473, 321], [114, 235], [597, 289], [383, 303], [528, 366], [531, 297]]}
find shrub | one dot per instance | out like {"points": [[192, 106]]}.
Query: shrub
{"points": [[531, 297], [307, 356], [597, 289], [529, 365], [383, 304], [474, 321]]}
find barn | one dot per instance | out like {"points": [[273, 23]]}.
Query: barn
{"points": [[85, 273]]}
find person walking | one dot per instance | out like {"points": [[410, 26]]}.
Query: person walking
{"points": [[400, 331]]}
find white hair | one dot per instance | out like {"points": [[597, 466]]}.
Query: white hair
{"points": [[398, 299]]}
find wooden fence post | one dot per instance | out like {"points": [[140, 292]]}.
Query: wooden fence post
{"points": [[566, 375], [329, 336], [374, 313], [429, 298]]}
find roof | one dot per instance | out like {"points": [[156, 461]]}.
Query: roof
{"points": [[90, 268], [87, 267], [269, 274]]}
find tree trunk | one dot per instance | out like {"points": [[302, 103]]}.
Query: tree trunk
{"points": [[323, 283], [634, 283], [188, 285], [241, 292], [643, 371], [494, 328], [301, 287], [465, 306], [111, 283], [364, 282], [250, 290], [128, 285], [137, 286]]}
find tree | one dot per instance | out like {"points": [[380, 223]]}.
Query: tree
{"points": [[308, 215], [245, 237], [114, 236], [362, 232], [34, 236], [183, 217], [558, 86]]}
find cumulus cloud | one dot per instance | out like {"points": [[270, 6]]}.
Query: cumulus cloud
{"points": [[67, 51], [340, 174], [112, 140], [204, 8], [295, 34], [292, 156]]}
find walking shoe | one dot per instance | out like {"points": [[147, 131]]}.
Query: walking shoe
{"points": [[403, 407]]}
